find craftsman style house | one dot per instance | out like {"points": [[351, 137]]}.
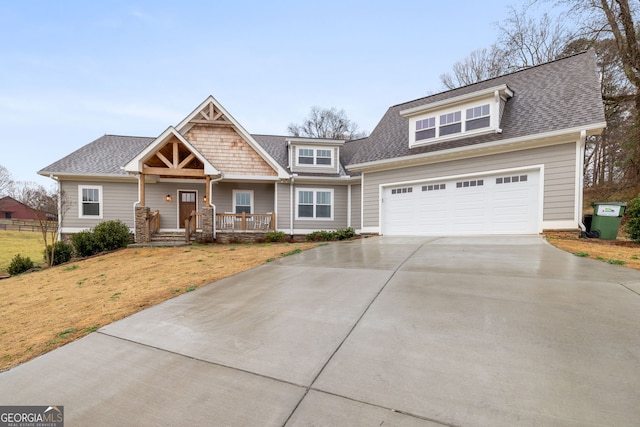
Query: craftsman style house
{"points": [[503, 156]]}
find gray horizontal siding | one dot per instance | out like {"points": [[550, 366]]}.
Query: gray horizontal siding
{"points": [[340, 208], [155, 199], [263, 196], [559, 180], [117, 198], [356, 206]]}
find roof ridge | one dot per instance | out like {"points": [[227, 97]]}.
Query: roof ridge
{"points": [[128, 136], [496, 77]]}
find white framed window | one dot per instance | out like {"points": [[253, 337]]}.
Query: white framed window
{"points": [[243, 201], [90, 201], [426, 128], [305, 156], [323, 157], [472, 118], [311, 156], [477, 117], [450, 123], [314, 203]]}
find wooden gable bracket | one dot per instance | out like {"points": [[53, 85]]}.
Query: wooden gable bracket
{"points": [[174, 163], [209, 115]]}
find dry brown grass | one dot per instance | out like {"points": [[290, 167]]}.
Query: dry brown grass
{"points": [[611, 251], [43, 310]]}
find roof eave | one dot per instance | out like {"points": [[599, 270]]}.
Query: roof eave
{"points": [[512, 144]]}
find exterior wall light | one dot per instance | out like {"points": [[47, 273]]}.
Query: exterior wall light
{"points": [[168, 198]]}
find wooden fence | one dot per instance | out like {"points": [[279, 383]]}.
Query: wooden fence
{"points": [[23, 225]]}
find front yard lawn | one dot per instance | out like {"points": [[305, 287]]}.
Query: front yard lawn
{"points": [[43, 310]]}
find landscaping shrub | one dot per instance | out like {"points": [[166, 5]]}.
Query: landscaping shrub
{"points": [[63, 252], [345, 233], [319, 236], [19, 264], [323, 235], [275, 236], [84, 243], [111, 235], [633, 221]]}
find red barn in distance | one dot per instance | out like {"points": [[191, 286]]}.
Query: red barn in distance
{"points": [[10, 208]]}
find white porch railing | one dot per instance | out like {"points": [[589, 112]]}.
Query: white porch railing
{"points": [[229, 222]]}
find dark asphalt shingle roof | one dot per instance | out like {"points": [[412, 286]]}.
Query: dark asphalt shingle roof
{"points": [[106, 155], [549, 97]]}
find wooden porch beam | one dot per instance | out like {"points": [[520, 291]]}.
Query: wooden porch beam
{"points": [[192, 173]]}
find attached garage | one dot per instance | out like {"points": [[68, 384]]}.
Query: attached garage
{"points": [[495, 203]]}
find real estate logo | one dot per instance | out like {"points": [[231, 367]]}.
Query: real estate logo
{"points": [[32, 416]]}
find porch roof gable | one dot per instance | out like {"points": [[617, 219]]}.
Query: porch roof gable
{"points": [[136, 164]]}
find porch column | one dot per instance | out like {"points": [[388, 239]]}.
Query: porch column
{"points": [[208, 222], [142, 233], [207, 190], [141, 189]]}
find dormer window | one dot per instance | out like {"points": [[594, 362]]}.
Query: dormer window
{"points": [[478, 117], [305, 156], [315, 156], [462, 116], [450, 123], [426, 128], [323, 157]]}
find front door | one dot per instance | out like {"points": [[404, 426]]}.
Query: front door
{"points": [[186, 204]]}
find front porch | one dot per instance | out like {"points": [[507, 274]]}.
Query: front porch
{"points": [[202, 226]]}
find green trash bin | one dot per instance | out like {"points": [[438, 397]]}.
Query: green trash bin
{"points": [[606, 218]]}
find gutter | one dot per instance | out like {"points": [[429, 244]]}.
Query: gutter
{"points": [[55, 178], [220, 178], [516, 143], [291, 212], [582, 142]]}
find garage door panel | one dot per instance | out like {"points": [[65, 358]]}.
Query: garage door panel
{"points": [[490, 204]]}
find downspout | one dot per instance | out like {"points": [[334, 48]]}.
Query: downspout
{"points": [[55, 178], [580, 170], [137, 202], [220, 178], [349, 206], [291, 212]]}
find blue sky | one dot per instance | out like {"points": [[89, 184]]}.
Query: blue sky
{"points": [[72, 71]]}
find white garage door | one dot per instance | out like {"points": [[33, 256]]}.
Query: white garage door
{"points": [[505, 203]]}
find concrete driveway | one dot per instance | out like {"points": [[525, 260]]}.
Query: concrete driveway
{"points": [[380, 331]]}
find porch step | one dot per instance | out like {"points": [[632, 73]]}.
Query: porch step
{"points": [[169, 237]]}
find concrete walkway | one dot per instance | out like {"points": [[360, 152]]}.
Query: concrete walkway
{"points": [[380, 331]]}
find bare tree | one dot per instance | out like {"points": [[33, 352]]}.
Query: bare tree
{"points": [[529, 41], [6, 181], [329, 123], [616, 21], [481, 64], [523, 42], [48, 206]]}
